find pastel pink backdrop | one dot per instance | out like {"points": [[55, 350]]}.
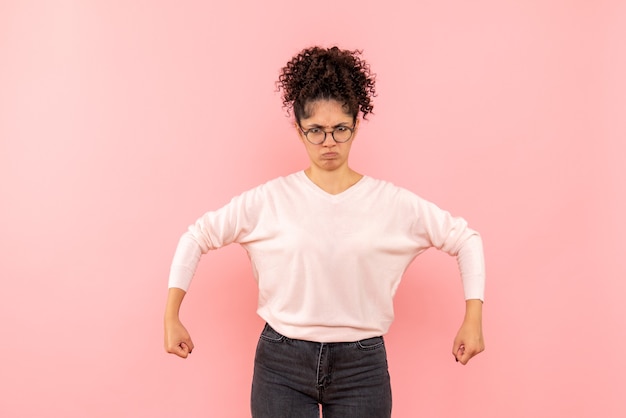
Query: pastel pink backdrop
{"points": [[121, 122]]}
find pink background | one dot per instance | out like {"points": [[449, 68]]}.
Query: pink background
{"points": [[123, 121]]}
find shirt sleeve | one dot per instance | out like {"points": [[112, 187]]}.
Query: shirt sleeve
{"points": [[185, 262], [471, 261], [215, 229], [453, 236]]}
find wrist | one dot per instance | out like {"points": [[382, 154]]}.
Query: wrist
{"points": [[473, 310], [171, 317], [175, 298]]}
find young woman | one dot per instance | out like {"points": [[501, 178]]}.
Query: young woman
{"points": [[328, 247]]}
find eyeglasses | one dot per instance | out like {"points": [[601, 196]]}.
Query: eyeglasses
{"points": [[317, 136]]}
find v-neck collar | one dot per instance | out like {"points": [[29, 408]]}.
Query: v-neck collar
{"points": [[335, 197]]}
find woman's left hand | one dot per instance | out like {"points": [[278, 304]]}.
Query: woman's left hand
{"points": [[469, 340]]}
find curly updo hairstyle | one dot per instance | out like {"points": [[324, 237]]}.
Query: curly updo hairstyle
{"points": [[319, 73]]}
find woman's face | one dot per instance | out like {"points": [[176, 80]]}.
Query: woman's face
{"points": [[327, 115]]}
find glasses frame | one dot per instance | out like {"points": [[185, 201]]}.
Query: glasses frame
{"points": [[332, 133]]}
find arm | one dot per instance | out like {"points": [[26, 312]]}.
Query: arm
{"points": [[186, 258], [469, 340], [453, 236], [177, 339], [213, 230]]}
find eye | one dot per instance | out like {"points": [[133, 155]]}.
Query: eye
{"points": [[315, 130], [341, 129]]}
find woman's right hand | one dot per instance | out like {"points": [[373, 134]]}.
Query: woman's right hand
{"points": [[177, 339]]}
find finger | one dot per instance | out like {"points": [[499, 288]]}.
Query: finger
{"points": [[468, 354], [181, 350], [460, 352], [465, 358], [188, 347], [458, 348]]}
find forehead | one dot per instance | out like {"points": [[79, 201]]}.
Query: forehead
{"points": [[326, 112]]}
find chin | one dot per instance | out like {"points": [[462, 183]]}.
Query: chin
{"points": [[330, 167]]}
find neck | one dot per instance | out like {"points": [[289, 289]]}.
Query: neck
{"points": [[335, 181]]}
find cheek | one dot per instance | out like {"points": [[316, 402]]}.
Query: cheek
{"points": [[307, 147]]}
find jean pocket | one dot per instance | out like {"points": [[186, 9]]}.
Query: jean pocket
{"points": [[370, 343], [270, 335]]}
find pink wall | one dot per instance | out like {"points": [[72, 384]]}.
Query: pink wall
{"points": [[121, 122]]}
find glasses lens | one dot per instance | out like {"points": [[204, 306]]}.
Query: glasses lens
{"points": [[342, 134], [316, 135]]}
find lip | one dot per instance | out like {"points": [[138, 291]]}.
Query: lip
{"points": [[330, 155]]}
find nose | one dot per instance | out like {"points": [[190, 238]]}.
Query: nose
{"points": [[329, 141]]}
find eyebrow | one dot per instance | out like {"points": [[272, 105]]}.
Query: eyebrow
{"points": [[317, 125]]}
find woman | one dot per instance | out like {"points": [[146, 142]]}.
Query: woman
{"points": [[328, 247]]}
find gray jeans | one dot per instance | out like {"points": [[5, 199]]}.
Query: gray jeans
{"points": [[293, 377]]}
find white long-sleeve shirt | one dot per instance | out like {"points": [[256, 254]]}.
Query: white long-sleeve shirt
{"points": [[328, 266]]}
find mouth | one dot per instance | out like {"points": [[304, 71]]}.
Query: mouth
{"points": [[330, 155]]}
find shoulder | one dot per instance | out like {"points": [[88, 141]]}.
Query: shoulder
{"points": [[271, 187], [280, 183], [389, 189], [403, 200]]}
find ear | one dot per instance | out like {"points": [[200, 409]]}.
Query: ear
{"points": [[356, 127], [298, 130]]}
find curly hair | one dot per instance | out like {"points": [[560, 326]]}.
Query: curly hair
{"points": [[318, 73]]}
